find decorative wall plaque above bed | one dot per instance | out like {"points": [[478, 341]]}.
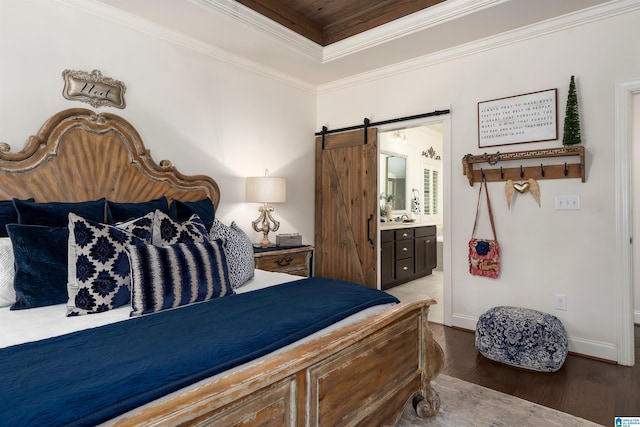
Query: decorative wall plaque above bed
{"points": [[93, 88]]}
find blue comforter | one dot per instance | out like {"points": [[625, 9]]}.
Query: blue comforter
{"points": [[90, 376]]}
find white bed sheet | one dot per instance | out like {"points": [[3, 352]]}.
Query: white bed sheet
{"points": [[21, 326]]}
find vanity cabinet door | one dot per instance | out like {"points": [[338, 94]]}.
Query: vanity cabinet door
{"points": [[425, 249], [387, 263], [432, 252]]}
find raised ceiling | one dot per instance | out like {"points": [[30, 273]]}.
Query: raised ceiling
{"points": [[329, 21], [233, 32]]}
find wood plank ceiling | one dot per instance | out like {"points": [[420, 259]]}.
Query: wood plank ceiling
{"points": [[329, 21]]}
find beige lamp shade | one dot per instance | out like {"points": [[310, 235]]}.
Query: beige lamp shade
{"points": [[266, 189]]}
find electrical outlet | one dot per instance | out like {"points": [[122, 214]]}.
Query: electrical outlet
{"points": [[567, 203], [561, 302]]}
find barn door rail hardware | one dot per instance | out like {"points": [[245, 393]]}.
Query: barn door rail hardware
{"points": [[501, 166], [367, 123]]}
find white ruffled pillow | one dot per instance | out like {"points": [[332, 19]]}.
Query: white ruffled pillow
{"points": [[7, 273]]}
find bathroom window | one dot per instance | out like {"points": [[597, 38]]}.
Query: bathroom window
{"points": [[431, 194]]}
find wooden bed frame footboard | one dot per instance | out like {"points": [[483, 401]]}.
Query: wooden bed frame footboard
{"points": [[362, 374]]}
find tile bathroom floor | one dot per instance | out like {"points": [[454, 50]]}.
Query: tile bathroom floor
{"points": [[425, 287]]}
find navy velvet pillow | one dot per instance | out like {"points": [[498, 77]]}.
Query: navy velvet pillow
{"points": [[182, 211], [56, 214], [41, 265], [119, 212], [8, 215]]}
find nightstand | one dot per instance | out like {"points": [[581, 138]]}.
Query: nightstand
{"points": [[283, 259]]}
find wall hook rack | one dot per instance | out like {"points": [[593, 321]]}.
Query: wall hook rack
{"points": [[552, 169]]}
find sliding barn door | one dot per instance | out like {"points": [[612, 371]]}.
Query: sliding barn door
{"points": [[347, 207]]}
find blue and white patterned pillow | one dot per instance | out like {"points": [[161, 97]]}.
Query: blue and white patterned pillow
{"points": [[167, 231], [98, 271], [141, 227], [239, 251], [164, 277]]}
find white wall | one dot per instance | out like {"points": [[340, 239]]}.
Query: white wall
{"points": [[545, 252], [205, 115]]}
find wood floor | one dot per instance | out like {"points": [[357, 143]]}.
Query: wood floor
{"points": [[590, 389]]}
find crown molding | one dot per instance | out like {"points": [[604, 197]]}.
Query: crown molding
{"points": [[418, 21], [438, 14], [243, 14], [97, 8], [575, 19], [310, 50]]}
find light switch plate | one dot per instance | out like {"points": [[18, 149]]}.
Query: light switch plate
{"points": [[567, 203]]}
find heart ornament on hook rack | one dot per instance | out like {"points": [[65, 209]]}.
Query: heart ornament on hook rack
{"points": [[530, 185], [521, 187]]}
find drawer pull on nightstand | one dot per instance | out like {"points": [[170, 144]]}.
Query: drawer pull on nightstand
{"points": [[283, 262]]}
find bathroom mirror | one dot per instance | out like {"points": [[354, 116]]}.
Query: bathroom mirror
{"points": [[393, 185]]}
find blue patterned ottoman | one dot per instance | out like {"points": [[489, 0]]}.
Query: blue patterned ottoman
{"points": [[522, 337]]}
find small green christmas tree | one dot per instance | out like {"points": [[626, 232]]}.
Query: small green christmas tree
{"points": [[572, 117]]}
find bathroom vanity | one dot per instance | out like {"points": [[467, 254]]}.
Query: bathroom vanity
{"points": [[407, 252]]}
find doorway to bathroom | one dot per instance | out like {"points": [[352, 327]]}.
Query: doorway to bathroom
{"points": [[414, 196]]}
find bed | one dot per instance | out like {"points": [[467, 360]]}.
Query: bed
{"points": [[360, 366]]}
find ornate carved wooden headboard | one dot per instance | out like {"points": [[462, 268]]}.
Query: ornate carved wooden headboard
{"points": [[81, 155]]}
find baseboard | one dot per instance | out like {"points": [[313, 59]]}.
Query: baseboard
{"points": [[595, 349], [464, 321], [579, 346]]}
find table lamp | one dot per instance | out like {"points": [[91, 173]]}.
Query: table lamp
{"points": [[266, 189]]}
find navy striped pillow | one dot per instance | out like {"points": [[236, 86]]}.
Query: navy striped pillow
{"points": [[164, 277]]}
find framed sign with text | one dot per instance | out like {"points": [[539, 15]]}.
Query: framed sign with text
{"points": [[93, 88], [531, 117]]}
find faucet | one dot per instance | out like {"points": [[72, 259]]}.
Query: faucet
{"points": [[403, 217]]}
